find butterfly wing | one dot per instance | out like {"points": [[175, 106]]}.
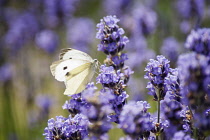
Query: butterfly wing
{"points": [[78, 78], [75, 68], [70, 53], [61, 68]]}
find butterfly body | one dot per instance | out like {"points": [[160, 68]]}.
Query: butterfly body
{"points": [[75, 68]]}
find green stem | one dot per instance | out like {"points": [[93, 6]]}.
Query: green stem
{"points": [[158, 108]]}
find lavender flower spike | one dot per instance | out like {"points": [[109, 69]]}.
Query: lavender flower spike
{"points": [[199, 41], [157, 71], [110, 35], [135, 121]]}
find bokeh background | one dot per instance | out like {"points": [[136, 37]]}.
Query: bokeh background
{"points": [[32, 32]]}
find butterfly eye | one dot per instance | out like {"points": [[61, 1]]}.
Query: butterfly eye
{"points": [[64, 67]]}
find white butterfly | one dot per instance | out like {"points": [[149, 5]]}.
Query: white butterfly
{"points": [[75, 68]]}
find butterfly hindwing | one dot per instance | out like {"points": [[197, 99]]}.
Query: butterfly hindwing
{"points": [[77, 70], [77, 83]]}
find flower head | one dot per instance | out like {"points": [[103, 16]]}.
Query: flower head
{"points": [[199, 41], [111, 36], [190, 8], [134, 119], [145, 20], [66, 128], [47, 40], [108, 77], [156, 72], [194, 74]]}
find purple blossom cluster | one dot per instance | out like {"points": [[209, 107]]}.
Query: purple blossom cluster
{"points": [[57, 11], [135, 120], [118, 7], [194, 80], [180, 135], [145, 20], [97, 112], [110, 34], [47, 40], [114, 75], [158, 127], [171, 111], [162, 79], [22, 29], [194, 76], [190, 8], [199, 41], [74, 104], [67, 128]]}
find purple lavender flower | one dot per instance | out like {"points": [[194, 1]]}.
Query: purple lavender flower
{"points": [[107, 76], [207, 112], [113, 75], [172, 85], [67, 128], [171, 110], [74, 104], [117, 104], [80, 33], [57, 11], [187, 116], [170, 49], [6, 71], [180, 135], [194, 78], [191, 123], [134, 119], [145, 20], [199, 41], [202, 123], [115, 82], [117, 7], [97, 111], [119, 61], [44, 102], [110, 35], [47, 40], [190, 8], [21, 30], [158, 127], [157, 71]]}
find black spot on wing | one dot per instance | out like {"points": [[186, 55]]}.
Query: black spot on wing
{"points": [[64, 68], [67, 74]]}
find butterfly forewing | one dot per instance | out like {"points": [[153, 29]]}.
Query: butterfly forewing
{"points": [[74, 54], [60, 68]]}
